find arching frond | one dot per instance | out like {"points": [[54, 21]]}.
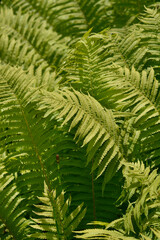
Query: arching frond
{"points": [[90, 68], [14, 52], [121, 88], [16, 137], [96, 127]]}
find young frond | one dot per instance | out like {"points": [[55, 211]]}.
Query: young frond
{"points": [[89, 67], [94, 66]]}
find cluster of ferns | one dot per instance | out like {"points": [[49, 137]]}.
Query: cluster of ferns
{"points": [[79, 119]]}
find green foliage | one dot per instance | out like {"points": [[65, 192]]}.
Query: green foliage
{"points": [[141, 190], [96, 127], [12, 208], [127, 11], [79, 119], [141, 220], [54, 222]]}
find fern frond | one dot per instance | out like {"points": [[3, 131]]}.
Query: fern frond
{"points": [[54, 220], [71, 18], [146, 110], [78, 182], [142, 190], [30, 181], [150, 23], [22, 130], [141, 45], [64, 16], [141, 93], [90, 67], [12, 208], [36, 42], [103, 234], [75, 130], [14, 52], [143, 88], [95, 125]]}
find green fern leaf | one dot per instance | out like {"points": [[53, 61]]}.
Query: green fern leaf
{"points": [[35, 40], [56, 222], [12, 208], [101, 120]]}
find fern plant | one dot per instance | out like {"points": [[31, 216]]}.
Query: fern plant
{"points": [[79, 120]]}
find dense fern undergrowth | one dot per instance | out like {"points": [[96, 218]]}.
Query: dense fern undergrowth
{"points": [[79, 119]]}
